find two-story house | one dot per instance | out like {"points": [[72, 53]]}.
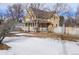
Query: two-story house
{"points": [[39, 19]]}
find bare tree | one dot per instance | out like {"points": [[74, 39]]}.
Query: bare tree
{"points": [[62, 8], [77, 17], [5, 28], [37, 6], [34, 5], [16, 11], [77, 12]]}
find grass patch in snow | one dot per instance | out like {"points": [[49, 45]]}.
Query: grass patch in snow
{"points": [[55, 35], [4, 47]]}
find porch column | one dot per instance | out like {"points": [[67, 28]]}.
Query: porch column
{"points": [[28, 27], [42, 26], [34, 26], [47, 27]]}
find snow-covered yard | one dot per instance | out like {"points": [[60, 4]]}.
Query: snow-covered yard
{"points": [[35, 46]]}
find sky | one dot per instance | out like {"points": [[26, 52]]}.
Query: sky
{"points": [[74, 6], [3, 7]]}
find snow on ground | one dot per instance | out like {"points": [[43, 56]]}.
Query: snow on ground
{"points": [[24, 34], [14, 32], [30, 45], [33, 45], [18, 33]]}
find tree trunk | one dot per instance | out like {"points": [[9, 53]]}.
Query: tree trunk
{"points": [[1, 38]]}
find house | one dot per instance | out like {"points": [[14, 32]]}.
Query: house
{"points": [[71, 26], [41, 19]]}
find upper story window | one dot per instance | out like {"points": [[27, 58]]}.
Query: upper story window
{"points": [[56, 25]]}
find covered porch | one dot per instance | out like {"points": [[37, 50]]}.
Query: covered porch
{"points": [[38, 25]]}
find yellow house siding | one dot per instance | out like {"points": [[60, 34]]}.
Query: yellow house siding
{"points": [[55, 21]]}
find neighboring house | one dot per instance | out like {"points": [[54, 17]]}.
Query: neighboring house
{"points": [[77, 20], [71, 26], [39, 19]]}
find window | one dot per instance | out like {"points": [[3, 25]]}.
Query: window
{"points": [[52, 25], [56, 25], [26, 24]]}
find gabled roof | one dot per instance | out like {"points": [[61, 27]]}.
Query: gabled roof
{"points": [[42, 13]]}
